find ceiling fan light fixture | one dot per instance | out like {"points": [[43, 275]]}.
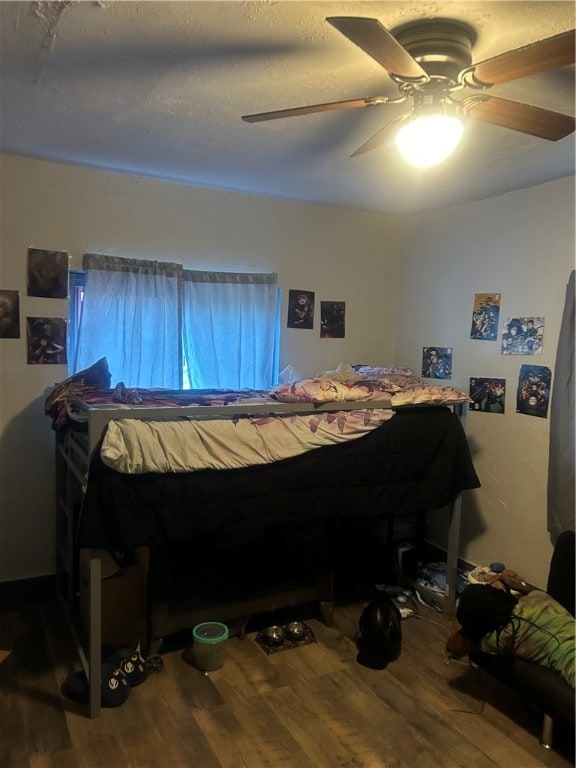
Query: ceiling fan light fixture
{"points": [[427, 141]]}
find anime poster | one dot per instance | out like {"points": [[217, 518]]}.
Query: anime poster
{"points": [[300, 309], [332, 319], [46, 340], [488, 395], [522, 336], [437, 362], [533, 395], [47, 273], [9, 315], [485, 316]]}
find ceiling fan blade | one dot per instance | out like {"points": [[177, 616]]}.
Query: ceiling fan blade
{"points": [[329, 107], [377, 42], [381, 136], [557, 51], [519, 117]]}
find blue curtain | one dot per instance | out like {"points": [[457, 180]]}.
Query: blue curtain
{"points": [[236, 315], [159, 325], [131, 316]]}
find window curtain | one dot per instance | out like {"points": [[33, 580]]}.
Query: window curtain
{"points": [[230, 330], [131, 316], [561, 481]]}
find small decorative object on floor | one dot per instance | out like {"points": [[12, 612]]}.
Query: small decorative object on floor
{"points": [[283, 638], [209, 645], [114, 688], [132, 664]]}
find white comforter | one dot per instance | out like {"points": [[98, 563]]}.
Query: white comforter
{"points": [[136, 446]]}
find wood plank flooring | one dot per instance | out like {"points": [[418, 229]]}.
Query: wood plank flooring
{"points": [[308, 707]]}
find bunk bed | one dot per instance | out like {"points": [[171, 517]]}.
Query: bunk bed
{"points": [[194, 471]]}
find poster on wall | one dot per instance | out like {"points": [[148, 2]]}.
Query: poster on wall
{"points": [[300, 309], [522, 336], [488, 395], [48, 273], [9, 314], [437, 362], [485, 315], [533, 394], [46, 338], [332, 319]]}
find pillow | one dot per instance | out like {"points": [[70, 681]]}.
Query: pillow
{"points": [[319, 391], [376, 386], [374, 372], [97, 376], [430, 394], [344, 372]]}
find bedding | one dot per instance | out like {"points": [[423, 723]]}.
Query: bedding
{"points": [[191, 468], [91, 379], [321, 390], [392, 386], [352, 373], [416, 461], [135, 446]]}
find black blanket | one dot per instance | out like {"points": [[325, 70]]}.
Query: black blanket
{"points": [[417, 461]]}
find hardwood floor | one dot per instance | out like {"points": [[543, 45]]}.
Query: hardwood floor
{"points": [[308, 707]]}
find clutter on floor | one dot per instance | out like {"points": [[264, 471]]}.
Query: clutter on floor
{"points": [[122, 670], [431, 577]]}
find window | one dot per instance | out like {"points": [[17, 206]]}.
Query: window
{"points": [[159, 325]]}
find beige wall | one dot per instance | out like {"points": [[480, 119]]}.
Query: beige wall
{"points": [[407, 283], [522, 246], [342, 255]]}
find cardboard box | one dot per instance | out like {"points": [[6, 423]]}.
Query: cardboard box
{"points": [[124, 597]]}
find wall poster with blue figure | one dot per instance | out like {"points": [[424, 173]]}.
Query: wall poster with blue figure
{"points": [[485, 316], [522, 336], [437, 362], [534, 382]]}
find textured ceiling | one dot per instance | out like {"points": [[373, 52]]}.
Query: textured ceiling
{"points": [[159, 88]]}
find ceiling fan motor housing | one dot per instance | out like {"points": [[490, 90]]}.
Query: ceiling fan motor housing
{"points": [[442, 47]]}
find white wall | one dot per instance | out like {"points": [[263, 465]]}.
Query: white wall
{"points": [[520, 245], [340, 254]]}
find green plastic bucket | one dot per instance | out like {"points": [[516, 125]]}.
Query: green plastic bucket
{"points": [[209, 645]]}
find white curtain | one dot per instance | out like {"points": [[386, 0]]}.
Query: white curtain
{"points": [[131, 316], [236, 315]]}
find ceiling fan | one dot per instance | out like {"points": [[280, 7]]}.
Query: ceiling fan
{"points": [[431, 59]]}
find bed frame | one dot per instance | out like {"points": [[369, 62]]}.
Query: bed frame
{"points": [[74, 452]]}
